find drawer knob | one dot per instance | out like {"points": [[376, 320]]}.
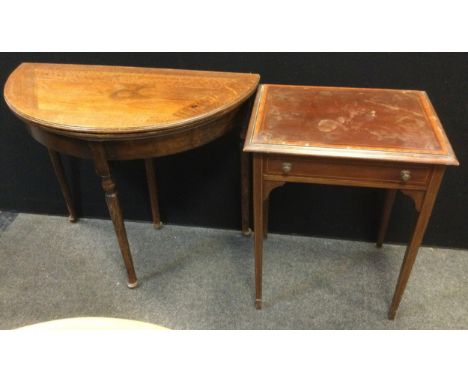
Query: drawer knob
{"points": [[286, 167], [405, 175]]}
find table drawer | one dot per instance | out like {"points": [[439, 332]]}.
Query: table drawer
{"points": [[348, 170]]}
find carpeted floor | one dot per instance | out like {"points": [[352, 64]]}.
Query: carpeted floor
{"points": [[198, 278]]}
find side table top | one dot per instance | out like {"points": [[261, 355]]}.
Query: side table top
{"points": [[106, 100], [380, 124]]}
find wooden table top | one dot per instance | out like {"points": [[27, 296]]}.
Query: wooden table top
{"points": [[106, 100], [381, 124]]}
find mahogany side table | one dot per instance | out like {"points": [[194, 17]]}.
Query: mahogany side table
{"points": [[120, 113], [380, 138]]}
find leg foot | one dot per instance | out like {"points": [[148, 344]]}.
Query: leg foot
{"points": [[132, 285], [247, 233], [258, 304], [416, 239]]}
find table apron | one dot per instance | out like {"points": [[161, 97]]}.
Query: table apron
{"points": [[136, 148], [347, 172]]}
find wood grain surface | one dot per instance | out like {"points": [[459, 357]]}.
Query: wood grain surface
{"points": [[114, 100]]}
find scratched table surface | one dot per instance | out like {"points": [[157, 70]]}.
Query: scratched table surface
{"points": [[384, 124], [96, 99]]}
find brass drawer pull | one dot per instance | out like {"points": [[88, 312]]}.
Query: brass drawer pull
{"points": [[286, 167], [405, 175]]}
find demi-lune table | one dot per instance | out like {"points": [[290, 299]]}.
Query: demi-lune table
{"points": [[119, 113], [390, 139]]}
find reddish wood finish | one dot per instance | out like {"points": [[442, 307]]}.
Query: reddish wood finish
{"points": [[380, 138], [353, 171], [380, 124], [418, 233], [245, 174], [245, 192]]}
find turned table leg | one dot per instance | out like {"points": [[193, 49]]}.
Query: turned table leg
{"points": [[416, 239], [60, 174], [387, 211], [102, 169], [153, 192]]}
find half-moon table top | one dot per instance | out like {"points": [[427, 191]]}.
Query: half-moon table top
{"points": [[106, 100], [360, 123]]}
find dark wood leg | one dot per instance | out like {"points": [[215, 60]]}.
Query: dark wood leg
{"points": [[416, 239], [387, 211], [153, 192], [102, 169], [245, 191], [266, 204], [258, 225], [60, 174]]}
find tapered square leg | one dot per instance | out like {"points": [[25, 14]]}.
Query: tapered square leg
{"points": [[266, 206], [102, 169], [153, 192], [258, 226], [245, 191], [387, 211], [60, 174], [418, 233]]}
